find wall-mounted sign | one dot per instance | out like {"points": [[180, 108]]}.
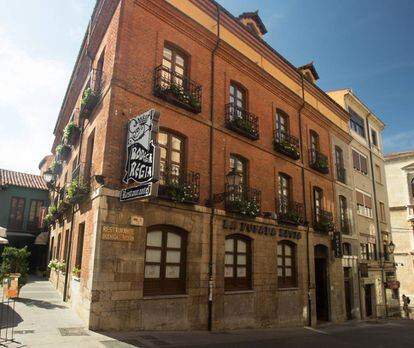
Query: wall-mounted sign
{"points": [[143, 156], [248, 227], [290, 234], [337, 244], [119, 234]]}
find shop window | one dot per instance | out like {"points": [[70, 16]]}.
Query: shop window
{"points": [[286, 264], [16, 215], [237, 263], [165, 257]]}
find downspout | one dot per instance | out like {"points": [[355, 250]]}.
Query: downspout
{"points": [[379, 238], [211, 193], [304, 205]]}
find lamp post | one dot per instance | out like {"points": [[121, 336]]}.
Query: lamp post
{"points": [[391, 248], [233, 177]]}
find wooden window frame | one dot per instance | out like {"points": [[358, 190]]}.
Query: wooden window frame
{"points": [[245, 171], [314, 140], [163, 285], [238, 87], [175, 50], [280, 114], [13, 223], [236, 283], [357, 162], [33, 224], [169, 150], [364, 208], [284, 281]]}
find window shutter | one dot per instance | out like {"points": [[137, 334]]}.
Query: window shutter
{"points": [[368, 202], [364, 166], [360, 198], [355, 157]]}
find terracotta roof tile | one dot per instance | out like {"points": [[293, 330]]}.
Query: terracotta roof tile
{"points": [[12, 178]]}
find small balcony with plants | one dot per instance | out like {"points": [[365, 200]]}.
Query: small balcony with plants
{"points": [[181, 187], [71, 133], [287, 144], [177, 89], [92, 92], [242, 201], [323, 221], [242, 121], [318, 161], [341, 174], [289, 211]]}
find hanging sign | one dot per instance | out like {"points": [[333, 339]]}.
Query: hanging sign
{"points": [[337, 244], [143, 157]]}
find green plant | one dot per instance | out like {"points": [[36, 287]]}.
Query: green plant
{"points": [[76, 271], [63, 151], [290, 148], [52, 264], [15, 260], [182, 193], [61, 266], [244, 125], [76, 191], [56, 167], [71, 132], [85, 96], [247, 207]]}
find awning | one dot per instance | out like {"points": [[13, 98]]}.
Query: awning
{"points": [[3, 241], [3, 232], [42, 238]]}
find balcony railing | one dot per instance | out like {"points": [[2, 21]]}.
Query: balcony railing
{"points": [[243, 201], [92, 92], [177, 89], [323, 221], [286, 144], [318, 161], [183, 188], [242, 121], [341, 174], [289, 211]]}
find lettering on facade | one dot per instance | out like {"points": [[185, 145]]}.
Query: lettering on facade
{"points": [[119, 234], [259, 229], [143, 156]]}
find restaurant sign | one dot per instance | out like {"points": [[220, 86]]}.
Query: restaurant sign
{"points": [[117, 233], [143, 157], [337, 244]]}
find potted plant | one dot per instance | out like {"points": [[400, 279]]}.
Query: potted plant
{"points": [[56, 167], [248, 207], [52, 264], [76, 272], [63, 151], [61, 266], [71, 133], [15, 261], [76, 191]]}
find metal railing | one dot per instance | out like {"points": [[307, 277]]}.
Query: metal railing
{"points": [[241, 200], [286, 144], [318, 161], [183, 187], [92, 92], [289, 211], [242, 121], [177, 89], [323, 221]]}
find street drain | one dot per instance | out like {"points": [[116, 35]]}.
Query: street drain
{"points": [[73, 331], [23, 332]]}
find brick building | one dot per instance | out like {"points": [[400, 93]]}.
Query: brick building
{"points": [[240, 234]]}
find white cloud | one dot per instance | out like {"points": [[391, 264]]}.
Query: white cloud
{"points": [[31, 92], [399, 142]]}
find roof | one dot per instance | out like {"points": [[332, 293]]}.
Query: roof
{"points": [[256, 18], [312, 68], [12, 178], [399, 154]]}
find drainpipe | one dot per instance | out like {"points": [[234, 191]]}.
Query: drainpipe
{"points": [[379, 237], [308, 271], [211, 193]]}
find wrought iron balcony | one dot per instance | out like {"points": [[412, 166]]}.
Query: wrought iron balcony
{"points": [[323, 221], [290, 212], [242, 121], [341, 174], [318, 161], [92, 92], [286, 144], [177, 89], [180, 187], [243, 201]]}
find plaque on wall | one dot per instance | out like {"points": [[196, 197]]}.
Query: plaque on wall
{"points": [[119, 234]]}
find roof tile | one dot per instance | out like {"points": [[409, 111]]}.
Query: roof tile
{"points": [[12, 178]]}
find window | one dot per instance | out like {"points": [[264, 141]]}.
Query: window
{"points": [[385, 251], [237, 263], [239, 164], [339, 162], [314, 141], [360, 162], [65, 246], [357, 123], [364, 251], [165, 261], [284, 192], [317, 203], [237, 96], [58, 247], [346, 249], [89, 155], [172, 157], [34, 214], [364, 204], [282, 122], [52, 249], [343, 215], [378, 176], [16, 215], [286, 264], [176, 61], [368, 251], [374, 137], [382, 212], [79, 245]]}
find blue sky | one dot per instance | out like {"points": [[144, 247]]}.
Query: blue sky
{"points": [[366, 45]]}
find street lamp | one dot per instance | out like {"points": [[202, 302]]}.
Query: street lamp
{"points": [[48, 177], [233, 177], [391, 247]]}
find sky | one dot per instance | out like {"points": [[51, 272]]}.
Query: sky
{"points": [[364, 45]]}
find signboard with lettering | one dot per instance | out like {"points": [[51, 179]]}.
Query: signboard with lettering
{"points": [[143, 157], [337, 244], [117, 233]]}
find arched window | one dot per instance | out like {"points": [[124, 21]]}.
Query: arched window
{"points": [[237, 263], [165, 257], [346, 249], [282, 123], [284, 192], [172, 157], [286, 264], [317, 203]]}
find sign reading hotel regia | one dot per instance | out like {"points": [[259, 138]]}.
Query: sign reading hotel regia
{"points": [[143, 157]]}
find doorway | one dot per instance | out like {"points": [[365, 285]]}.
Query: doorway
{"points": [[321, 283], [368, 300], [348, 292]]}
